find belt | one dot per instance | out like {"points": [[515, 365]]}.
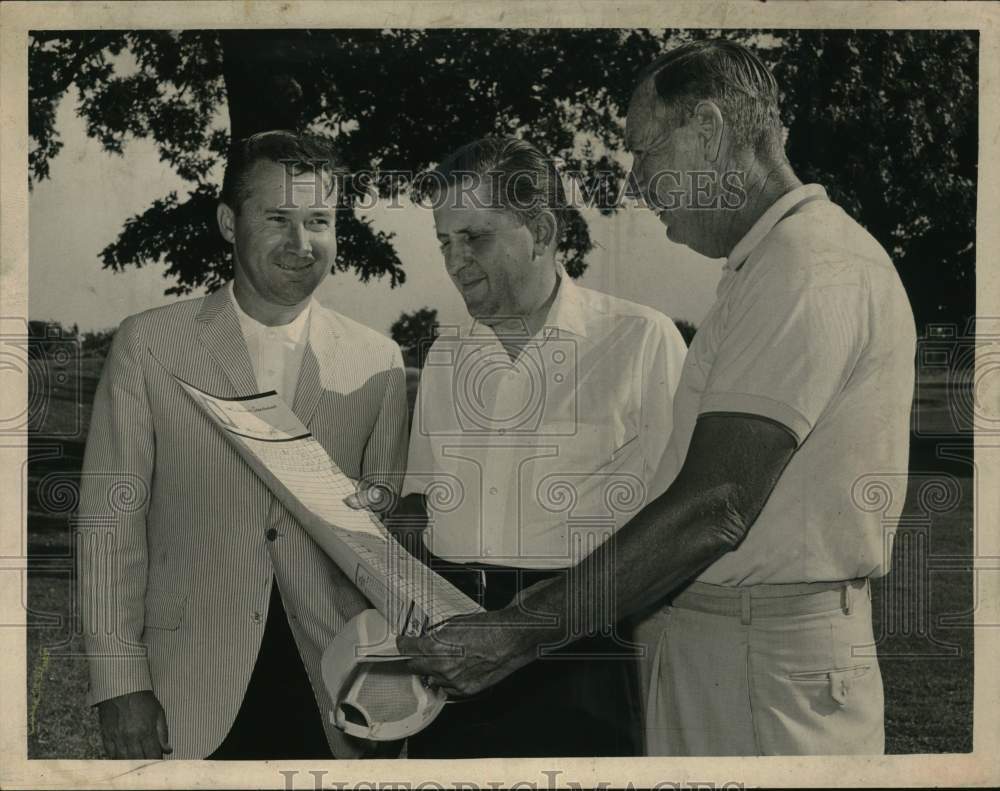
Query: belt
{"points": [[769, 601], [490, 585]]}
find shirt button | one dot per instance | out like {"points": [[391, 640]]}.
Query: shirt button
{"points": [[493, 490], [271, 534], [256, 617]]}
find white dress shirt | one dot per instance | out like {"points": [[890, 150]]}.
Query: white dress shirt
{"points": [[275, 352], [532, 463]]}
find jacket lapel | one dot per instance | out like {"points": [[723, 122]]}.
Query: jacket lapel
{"points": [[222, 336], [318, 363]]}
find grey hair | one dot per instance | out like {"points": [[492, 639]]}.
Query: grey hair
{"points": [[734, 78], [521, 178]]}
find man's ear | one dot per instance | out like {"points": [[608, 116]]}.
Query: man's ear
{"points": [[709, 124], [543, 231], [227, 222]]}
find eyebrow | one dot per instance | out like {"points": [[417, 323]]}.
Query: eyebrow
{"points": [[463, 229], [288, 210]]}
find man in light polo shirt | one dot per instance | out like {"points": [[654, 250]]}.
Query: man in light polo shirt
{"points": [[797, 384], [539, 429]]}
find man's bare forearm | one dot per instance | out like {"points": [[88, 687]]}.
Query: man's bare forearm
{"points": [[664, 546], [704, 514]]}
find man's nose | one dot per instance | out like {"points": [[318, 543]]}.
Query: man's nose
{"points": [[454, 257], [298, 240]]}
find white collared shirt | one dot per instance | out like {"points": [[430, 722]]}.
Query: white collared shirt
{"points": [[275, 352], [534, 462], [812, 330]]}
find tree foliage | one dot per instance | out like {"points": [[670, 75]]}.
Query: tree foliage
{"points": [[687, 330], [886, 120], [415, 332]]}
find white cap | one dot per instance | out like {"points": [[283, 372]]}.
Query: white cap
{"points": [[374, 697]]}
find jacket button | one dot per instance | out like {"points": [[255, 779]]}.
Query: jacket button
{"points": [[271, 534]]}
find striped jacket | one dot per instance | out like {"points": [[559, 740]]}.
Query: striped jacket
{"points": [[175, 563]]}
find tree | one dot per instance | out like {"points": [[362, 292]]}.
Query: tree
{"points": [[888, 122], [447, 87], [687, 330], [97, 343], [415, 332], [885, 119]]}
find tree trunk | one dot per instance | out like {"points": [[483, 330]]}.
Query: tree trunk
{"points": [[258, 67]]}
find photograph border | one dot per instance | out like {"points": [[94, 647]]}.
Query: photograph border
{"points": [[981, 767]]}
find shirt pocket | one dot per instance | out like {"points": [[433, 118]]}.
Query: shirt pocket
{"points": [[164, 609], [592, 472], [587, 446]]}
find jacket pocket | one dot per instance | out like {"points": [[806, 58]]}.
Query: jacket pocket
{"points": [[164, 609]]}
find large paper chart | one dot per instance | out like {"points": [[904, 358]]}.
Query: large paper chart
{"points": [[265, 431]]}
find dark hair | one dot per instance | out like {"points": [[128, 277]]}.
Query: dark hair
{"points": [[730, 75], [302, 153], [521, 178]]}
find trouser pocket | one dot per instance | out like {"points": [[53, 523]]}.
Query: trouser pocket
{"points": [[838, 681]]}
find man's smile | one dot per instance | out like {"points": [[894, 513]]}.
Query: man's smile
{"points": [[295, 266], [470, 283]]}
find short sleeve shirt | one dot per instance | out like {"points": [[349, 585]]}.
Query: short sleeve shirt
{"points": [[535, 462], [811, 329]]}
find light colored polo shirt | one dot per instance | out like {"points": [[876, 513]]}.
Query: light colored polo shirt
{"points": [[276, 353], [811, 329], [534, 463]]}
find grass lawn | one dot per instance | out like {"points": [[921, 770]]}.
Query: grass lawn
{"points": [[927, 665]]}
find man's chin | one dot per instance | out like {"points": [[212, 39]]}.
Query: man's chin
{"points": [[676, 235], [479, 311]]}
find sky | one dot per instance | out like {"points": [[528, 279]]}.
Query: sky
{"points": [[90, 194]]}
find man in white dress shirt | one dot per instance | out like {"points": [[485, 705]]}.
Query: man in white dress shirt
{"points": [[206, 606], [796, 388], [539, 429]]}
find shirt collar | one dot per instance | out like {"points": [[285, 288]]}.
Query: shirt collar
{"points": [[565, 313], [765, 224], [293, 331]]}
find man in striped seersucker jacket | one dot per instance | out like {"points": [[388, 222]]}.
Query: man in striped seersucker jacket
{"points": [[205, 605]]}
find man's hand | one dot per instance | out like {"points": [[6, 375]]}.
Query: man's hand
{"points": [[472, 652], [134, 726], [376, 498], [731, 467], [404, 517]]}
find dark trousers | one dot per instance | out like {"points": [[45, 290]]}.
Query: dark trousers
{"points": [[581, 701], [279, 717]]}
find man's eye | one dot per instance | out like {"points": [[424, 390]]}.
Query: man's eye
{"points": [[277, 218], [443, 243], [319, 223]]}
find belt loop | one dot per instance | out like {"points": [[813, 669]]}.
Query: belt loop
{"points": [[846, 598], [745, 607]]}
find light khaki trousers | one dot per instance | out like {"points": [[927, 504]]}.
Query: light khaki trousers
{"points": [[765, 670]]}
